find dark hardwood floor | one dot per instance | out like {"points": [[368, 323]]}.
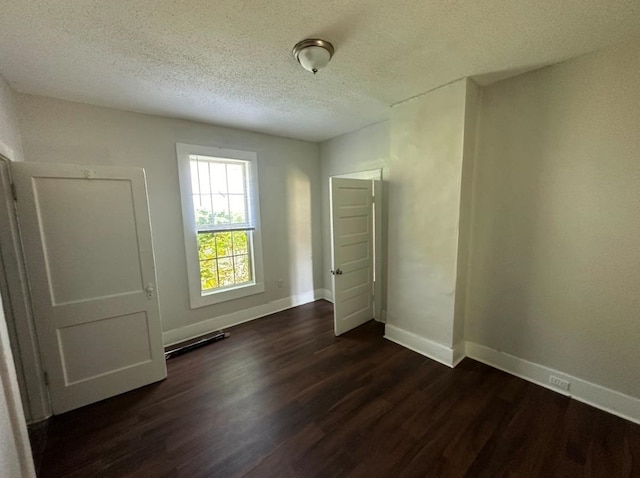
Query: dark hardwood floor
{"points": [[283, 397]]}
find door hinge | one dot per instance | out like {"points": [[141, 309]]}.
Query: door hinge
{"points": [[14, 193], [46, 379]]}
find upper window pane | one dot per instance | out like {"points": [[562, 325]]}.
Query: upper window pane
{"points": [[238, 208], [218, 177], [204, 181], [219, 188], [220, 209], [195, 177], [237, 182]]}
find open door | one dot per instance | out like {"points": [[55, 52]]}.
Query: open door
{"points": [[89, 257], [352, 252]]}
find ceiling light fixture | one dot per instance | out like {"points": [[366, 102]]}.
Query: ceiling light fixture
{"points": [[313, 54]]}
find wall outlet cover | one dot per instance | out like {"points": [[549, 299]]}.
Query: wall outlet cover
{"points": [[558, 382]]}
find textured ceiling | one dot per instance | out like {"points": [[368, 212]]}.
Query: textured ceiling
{"points": [[229, 61]]}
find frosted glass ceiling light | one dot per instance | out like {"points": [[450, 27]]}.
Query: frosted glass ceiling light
{"points": [[313, 54]]}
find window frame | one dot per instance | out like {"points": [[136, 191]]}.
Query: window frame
{"points": [[197, 297]]}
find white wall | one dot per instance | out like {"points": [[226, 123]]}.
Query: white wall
{"points": [[361, 150], [555, 258], [426, 166], [289, 170], [10, 140]]}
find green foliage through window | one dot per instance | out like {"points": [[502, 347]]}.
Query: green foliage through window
{"points": [[224, 258]]}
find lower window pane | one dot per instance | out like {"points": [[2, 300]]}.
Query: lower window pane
{"points": [[206, 246], [208, 274], [242, 269], [225, 259], [224, 244], [225, 272], [240, 242]]}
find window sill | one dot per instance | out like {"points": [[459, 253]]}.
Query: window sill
{"points": [[215, 297]]}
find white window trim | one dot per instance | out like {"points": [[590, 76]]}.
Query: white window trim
{"points": [[196, 296]]}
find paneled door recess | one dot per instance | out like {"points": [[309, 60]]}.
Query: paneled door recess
{"points": [[352, 252], [89, 257]]}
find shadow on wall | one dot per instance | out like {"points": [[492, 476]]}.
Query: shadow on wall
{"points": [[300, 236], [508, 211]]}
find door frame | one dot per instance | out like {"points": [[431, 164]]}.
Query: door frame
{"points": [[374, 175], [15, 428], [18, 308]]}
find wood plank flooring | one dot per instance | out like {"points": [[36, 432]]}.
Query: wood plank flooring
{"points": [[283, 397]]}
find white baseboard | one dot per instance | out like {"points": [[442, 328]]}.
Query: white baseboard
{"points": [[458, 354], [433, 350], [198, 329], [611, 401], [383, 316], [325, 294]]}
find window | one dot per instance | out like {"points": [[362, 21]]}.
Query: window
{"points": [[221, 223]]}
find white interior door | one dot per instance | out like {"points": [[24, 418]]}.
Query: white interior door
{"points": [[90, 264], [352, 252]]}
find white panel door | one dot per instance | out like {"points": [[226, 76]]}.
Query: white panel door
{"points": [[90, 264], [352, 252]]}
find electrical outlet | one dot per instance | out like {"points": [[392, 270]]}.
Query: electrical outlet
{"points": [[280, 283], [558, 382]]}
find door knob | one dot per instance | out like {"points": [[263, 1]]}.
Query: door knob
{"points": [[149, 289], [337, 272]]}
